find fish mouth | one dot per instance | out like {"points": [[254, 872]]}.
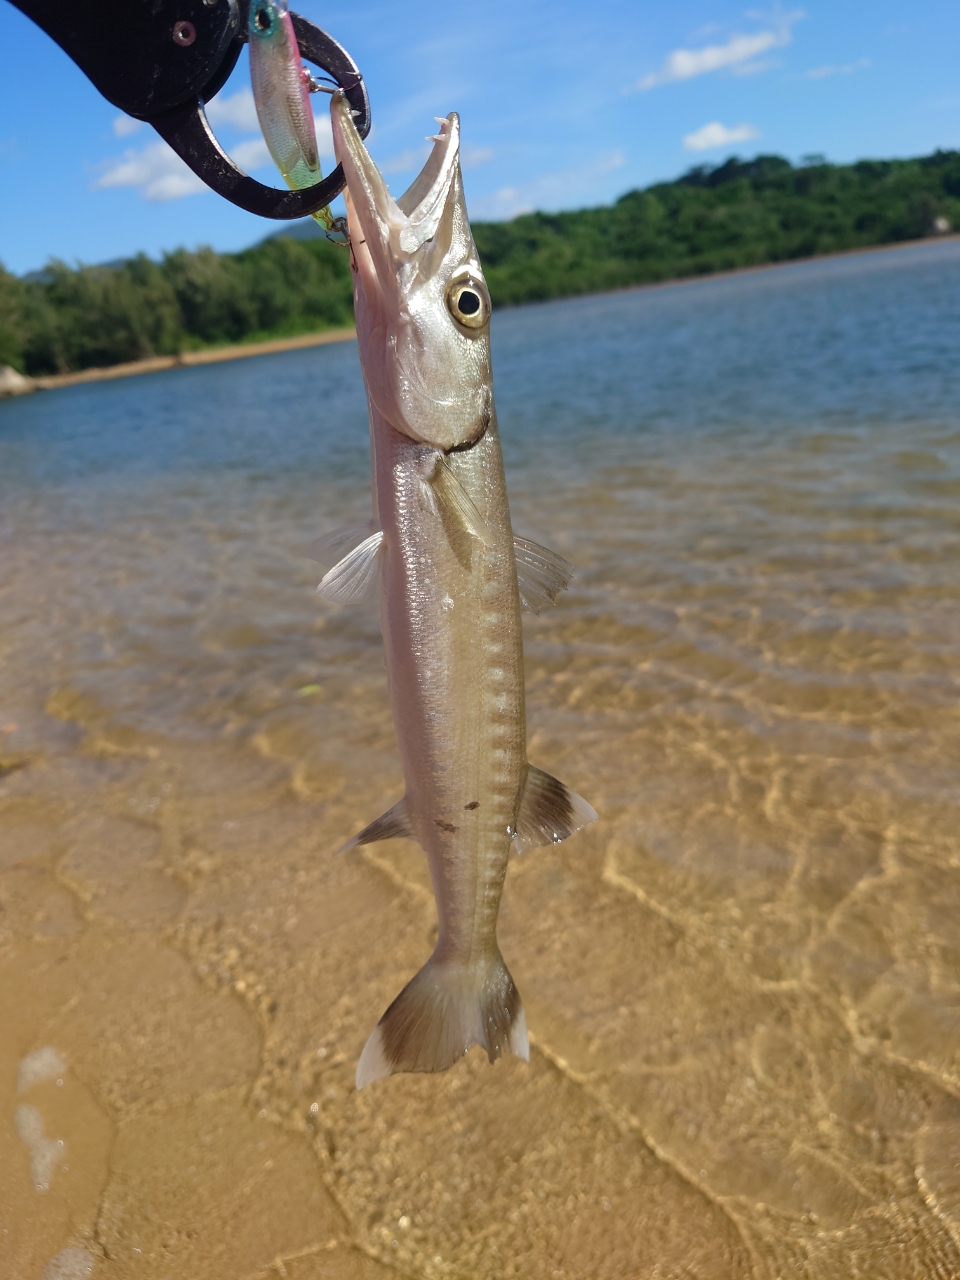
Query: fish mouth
{"points": [[395, 230], [426, 374]]}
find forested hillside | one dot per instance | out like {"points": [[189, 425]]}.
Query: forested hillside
{"points": [[73, 319], [741, 213]]}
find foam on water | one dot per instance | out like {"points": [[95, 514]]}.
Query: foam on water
{"points": [[69, 1264], [41, 1064], [45, 1153]]}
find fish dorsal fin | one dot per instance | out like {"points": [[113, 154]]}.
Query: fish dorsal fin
{"points": [[549, 811], [350, 577], [451, 497], [392, 825], [541, 574]]}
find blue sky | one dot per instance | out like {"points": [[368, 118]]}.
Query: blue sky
{"points": [[562, 105]]}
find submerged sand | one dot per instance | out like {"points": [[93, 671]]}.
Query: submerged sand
{"points": [[741, 983], [741, 991]]}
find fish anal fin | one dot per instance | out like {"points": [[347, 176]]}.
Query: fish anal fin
{"points": [[440, 1013], [541, 574], [350, 577], [451, 499], [549, 811], [392, 825]]}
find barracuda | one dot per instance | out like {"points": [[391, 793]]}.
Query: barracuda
{"points": [[452, 579]]}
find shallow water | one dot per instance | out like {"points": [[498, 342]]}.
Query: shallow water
{"points": [[742, 983]]}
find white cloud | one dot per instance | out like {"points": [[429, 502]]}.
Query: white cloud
{"points": [[405, 161], [157, 172], [237, 111], [324, 137], [685, 64], [414, 158], [820, 73], [250, 154], [123, 126], [611, 161], [755, 68], [548, 190], [716, 134], [472, 157]]}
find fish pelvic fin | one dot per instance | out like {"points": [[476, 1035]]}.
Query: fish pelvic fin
{"points": [[549, 811], [392, 825], [440, 1013], [349, 579]]}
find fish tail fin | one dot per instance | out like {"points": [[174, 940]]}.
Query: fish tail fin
{"points": [[440, 1013]]}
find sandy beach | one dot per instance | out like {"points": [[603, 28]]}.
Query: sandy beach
{"points": [[189, 359]]}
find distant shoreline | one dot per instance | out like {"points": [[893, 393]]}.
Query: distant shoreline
{"points": [[245, 350], [184, 359], [857, 251]]}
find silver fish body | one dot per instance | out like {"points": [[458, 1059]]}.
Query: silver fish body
{"points": [[450, 602], [451, 625]]}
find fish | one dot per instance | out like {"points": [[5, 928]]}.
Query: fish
{"points": [[281, 94], [452, 579]]}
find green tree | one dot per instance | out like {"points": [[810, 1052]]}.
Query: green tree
{"points": [[736, 214], [11, 320]]}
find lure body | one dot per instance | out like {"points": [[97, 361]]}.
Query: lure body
{"points": [[281, 94]]}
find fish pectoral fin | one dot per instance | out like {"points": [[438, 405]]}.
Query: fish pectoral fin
{"points": [[451, 498], [392, 825], [541, 574], [349, 579], [549, 811], [345, 538]]}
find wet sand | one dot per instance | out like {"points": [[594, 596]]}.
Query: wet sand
{"points": [[742, 983]]}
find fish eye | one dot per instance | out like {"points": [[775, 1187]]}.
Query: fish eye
{"points": [[263, 19], [469, 302]]}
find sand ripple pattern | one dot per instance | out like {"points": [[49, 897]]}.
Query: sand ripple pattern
{"points": [[743, 983]]}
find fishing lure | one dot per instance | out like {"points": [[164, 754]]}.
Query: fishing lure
{"points": [[281, 93]]}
